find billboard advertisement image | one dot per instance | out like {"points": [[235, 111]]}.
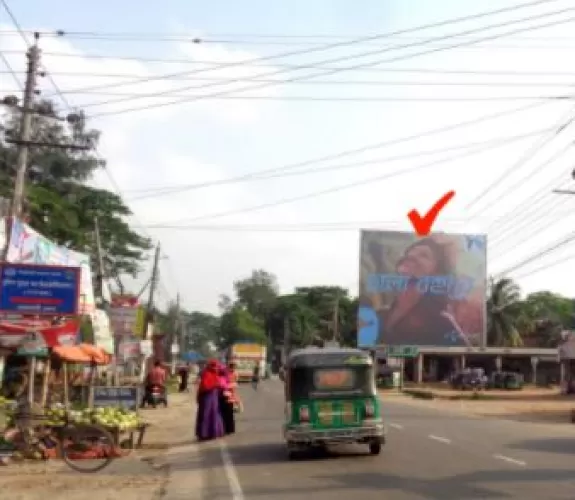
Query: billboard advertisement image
{"points": [[422, 291]]}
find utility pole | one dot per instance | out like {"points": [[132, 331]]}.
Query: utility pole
{"points": [[100, 263], [153, 284], [33, 56], [175, 347], [286, 341]]}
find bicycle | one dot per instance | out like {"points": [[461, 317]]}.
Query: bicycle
{"points": [[84, 447]]}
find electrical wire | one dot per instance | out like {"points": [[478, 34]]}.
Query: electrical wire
{"points": [[313, 226], [369, 147], [352, 99], [338, 59], [215, 65], [356, 41], [545, 267], [158, 36], [540, 253], [148, 193], [565, 120], [536, 210], [12, 72], [330, 82], [67, 104], [335, 189]]}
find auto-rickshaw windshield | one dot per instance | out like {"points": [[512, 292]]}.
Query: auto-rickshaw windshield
{"points": [[330, 381]]}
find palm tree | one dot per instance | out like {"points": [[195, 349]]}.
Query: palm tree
{"points": [[504, 316]]}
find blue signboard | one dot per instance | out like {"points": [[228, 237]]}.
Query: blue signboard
{"points": [[36, 289], [117, 397]]}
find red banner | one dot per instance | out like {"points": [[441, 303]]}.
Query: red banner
{"points": [[13, 335]]}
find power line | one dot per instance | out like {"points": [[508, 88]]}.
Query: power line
{"points": [[565, 120], [351, 99], [370, 147], [545, 267], [67, 104], [215, 65], [335, 189], [342, 58], [170, 190], [540, 253], [329, 82], [12, 72], [356, 41], [532, 209], [168, 36], [311, 226]]}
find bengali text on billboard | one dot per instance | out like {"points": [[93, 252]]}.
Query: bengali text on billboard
{"points": [[422, 291]]}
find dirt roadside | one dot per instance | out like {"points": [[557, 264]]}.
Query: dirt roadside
{"points": [[529, 405], [143, 475]]}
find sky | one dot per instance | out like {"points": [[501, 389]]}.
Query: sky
{"points": [[469, 106]]}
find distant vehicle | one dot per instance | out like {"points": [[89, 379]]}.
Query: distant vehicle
{"points": [[469, 379], [245, 355], [509, 381]]}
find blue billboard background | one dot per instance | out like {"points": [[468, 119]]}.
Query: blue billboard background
{"points": [[34, 289]]}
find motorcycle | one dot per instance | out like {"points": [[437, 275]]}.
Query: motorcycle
{"points": [[157, 395]]}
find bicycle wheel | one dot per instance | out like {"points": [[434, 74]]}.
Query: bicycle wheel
{"points": [[87, 448]]}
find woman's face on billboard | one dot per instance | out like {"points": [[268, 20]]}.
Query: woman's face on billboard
{"points": [[418, 261]]}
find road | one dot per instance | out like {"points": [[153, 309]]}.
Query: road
{"points": [[430, 454]]}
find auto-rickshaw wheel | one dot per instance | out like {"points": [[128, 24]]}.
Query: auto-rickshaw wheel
{"points": [[375, 448]]}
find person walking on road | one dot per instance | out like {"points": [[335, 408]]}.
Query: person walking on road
{"points": [[227, 401], [256, 376], [209, 423]]}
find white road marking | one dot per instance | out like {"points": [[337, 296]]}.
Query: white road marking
{"points": [[439, 438], [231, 474], [396, 426], [510, 460]]}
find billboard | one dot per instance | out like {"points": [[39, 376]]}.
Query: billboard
{"points": [[34, 289], [27, 246], [418, 291]]}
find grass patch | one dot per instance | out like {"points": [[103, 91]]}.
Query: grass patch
{"points": [[419, 393]]}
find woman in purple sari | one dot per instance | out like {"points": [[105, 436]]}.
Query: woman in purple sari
{"points": [[209, 423]]}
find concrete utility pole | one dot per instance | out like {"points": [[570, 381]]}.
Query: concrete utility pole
{"points": [[100, 275], [33, 56], [151, 296]]}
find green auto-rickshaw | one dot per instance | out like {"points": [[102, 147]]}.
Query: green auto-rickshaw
{"points": [[331, 398]]}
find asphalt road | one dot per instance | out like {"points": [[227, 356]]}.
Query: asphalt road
{"points": [[430, 454]]}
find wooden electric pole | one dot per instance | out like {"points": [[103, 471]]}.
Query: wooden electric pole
{"points": [[28, 110], [151, 296]]}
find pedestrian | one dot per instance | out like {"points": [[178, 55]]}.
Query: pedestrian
{"points": [[184, 373], [209, 424], [256, 376], [227, 401]]}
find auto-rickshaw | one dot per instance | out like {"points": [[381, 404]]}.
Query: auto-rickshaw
{"points": [[331, 398]]}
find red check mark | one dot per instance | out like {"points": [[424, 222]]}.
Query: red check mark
{"points": [[423, 225]]}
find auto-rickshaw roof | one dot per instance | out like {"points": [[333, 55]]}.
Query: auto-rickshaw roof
{"points": [[328, 356]]}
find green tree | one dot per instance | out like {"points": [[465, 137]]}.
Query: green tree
{"points": [[548, 315], [291, 313], [59, 202], [238, 324], [199, 331], [504, 313], [257, 293]]}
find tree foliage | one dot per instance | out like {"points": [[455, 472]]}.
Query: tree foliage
{"points": [[60, 204]]}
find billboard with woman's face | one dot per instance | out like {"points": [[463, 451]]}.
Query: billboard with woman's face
{"points": [[418, 291]]}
